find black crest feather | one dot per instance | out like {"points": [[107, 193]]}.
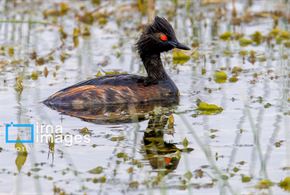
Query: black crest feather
{"points": [[145, 43], [160, 25]]}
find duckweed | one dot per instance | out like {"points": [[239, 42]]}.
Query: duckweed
{"points": [[220, 77], [208, 109], [245, 42], [179, 57], [285, 184], [264, 184]]}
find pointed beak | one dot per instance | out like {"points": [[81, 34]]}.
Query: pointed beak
{"points": [[178, 45]]}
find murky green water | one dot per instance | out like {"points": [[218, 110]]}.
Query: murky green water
{"points": [[245, 149]]}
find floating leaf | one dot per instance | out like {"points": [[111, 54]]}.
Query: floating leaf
{"points": [[257, 37], [233, 79], [18, 84], [236, 169], [102, 179], [185, 142], [275, 32], [86, 32], [195, 55], [285, 184], [87, 18], [245, 42], [122, 155], [96, 2], [220, 77], [97, 170], [243, 53], [208, 109], [85, 131], [34, 75], [63, 34], [117, 138], [237, 70], [134, 184], [11, 51], [287, 44], [21, 154], [264, 184], [246, 179], [114, 72], [188, 175], [76, 32], [99, 74], [285, 35], [45, 71], [102, 21], [226, 36], [51, 143], [63, 8], [179, 57]]}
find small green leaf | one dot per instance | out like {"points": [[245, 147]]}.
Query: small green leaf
{"points": [[245, 42], [246, 179], [34, 75], [226, 36], [208, 109], [179, 57], [21, 154], [285, 184], [220, 77], [264, 184], [18, 85], [188, 175], [97, 170], [185, 142]]}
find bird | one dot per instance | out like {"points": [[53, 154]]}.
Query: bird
{"points": [[114, 90]]}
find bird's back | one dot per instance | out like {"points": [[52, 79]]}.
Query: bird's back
{"points": [[117, 89]]}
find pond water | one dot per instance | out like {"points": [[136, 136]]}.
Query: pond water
{"points": [[244, 149]]}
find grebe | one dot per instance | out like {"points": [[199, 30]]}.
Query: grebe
{"points": [[126, 88]]}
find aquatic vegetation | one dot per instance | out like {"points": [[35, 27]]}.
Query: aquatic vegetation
{"points": [[208, 109], [226, 36], [21, 154], [60, 9], [257, 37], [96, 170], [220, 77], [285, 184], [185, 143], [264, 184], [246, 179], [245, 42], [19, 84], [179, 57], [34, 75]]}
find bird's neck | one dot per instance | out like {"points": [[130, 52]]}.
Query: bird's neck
{"points": [[154, 66]]}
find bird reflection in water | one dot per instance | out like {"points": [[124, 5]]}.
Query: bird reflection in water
{"points": [[162, 155]]}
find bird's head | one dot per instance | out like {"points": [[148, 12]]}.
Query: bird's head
{"points": [[158, 37]]}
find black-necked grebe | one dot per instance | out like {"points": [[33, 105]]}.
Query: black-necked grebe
{"points": [[126, 88]]}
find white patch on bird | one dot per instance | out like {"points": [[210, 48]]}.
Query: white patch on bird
{"points": [[77, 104]]}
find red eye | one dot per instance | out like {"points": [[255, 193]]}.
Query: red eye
{"points": [[163, 37]]}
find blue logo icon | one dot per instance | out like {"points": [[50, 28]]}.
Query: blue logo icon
{"points": [[12, 129]]}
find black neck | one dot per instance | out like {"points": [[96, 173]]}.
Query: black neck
{"points": [[154, 67]]}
